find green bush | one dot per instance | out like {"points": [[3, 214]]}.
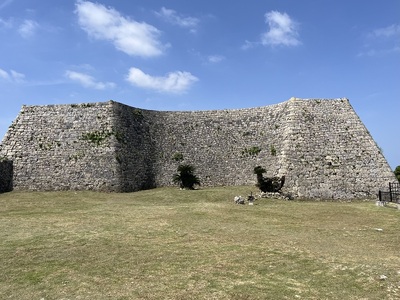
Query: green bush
{"points": [[397, 173], [186, 178], [268, 184]]}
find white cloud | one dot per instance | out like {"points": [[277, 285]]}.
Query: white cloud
{"points": [[387, 32], [248, 45], [129, 36], [5, 3], [174, 82], [379, 52], [4, 74], [88, 81], [17, 77], [5, 24], [382, 42], [172, 17], [28, 28], [282, 30], [12, 76], [215, 58]]}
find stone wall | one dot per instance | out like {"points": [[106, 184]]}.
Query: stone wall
{"points": [[60, 147], [331, 154], [6, 176], [136, 149], [224, 145], [321, 146]]}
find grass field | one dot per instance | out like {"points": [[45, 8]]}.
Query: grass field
{"points": [[172, 244]]}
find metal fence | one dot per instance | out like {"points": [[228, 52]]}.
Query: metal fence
{"points": [[392, 195]]}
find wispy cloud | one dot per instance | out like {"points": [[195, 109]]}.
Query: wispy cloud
{"points": [[5, 23], [386, 32], [174, 82], [127, 35], [5, 3], [207, 59], [28, 28], [171, 16], [4, 74], [17, 77], [282, 30], [382, 41], [215, 58], [88, 81], [379, 52], [248, 45], [12, 76]]}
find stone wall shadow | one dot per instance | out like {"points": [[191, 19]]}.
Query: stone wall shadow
{"points": [[135, 148], [6, 176]]}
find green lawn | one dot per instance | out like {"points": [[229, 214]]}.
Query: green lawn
{"points": [[172, 244]]}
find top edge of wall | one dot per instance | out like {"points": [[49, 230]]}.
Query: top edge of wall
{"points": [[112, 102]]}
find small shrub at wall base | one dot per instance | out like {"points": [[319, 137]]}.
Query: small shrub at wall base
{"points": [[259, 171], [186, 178], [268, 184], [397, 173]]}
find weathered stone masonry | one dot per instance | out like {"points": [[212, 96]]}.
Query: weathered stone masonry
{"points": [[321, 146]]}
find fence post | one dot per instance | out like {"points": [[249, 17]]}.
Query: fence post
{"points": [[390, 192]]}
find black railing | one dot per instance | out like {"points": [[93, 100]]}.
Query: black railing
{"points": [[393, 195]]}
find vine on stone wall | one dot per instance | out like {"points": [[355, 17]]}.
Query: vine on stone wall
{"points": [[97, 136], [76, 156], [47, 145], [119, 136], [137, 112], [3, 158], [251, 152], [272, 150], [246, 133], [177, 156]]}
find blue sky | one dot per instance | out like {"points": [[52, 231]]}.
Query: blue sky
{"points": [[201, 55]]}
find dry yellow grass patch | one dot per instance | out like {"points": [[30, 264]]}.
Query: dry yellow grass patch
{"points": [[173, 244]]}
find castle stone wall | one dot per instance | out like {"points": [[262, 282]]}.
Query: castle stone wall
{"points": [[50, 149], [331, 153], [136, 149], [321, 146], [224, 145]]}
